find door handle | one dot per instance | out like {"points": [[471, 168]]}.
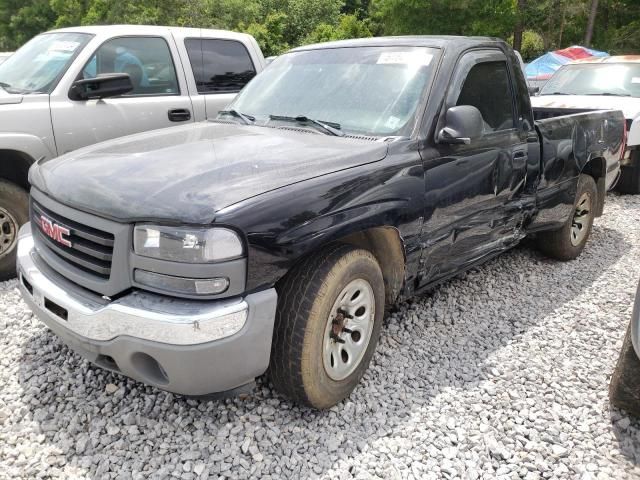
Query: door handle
{"points": [[179, 115], [520, 155]]}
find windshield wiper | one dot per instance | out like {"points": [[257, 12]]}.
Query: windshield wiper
{"points": [[330, 128], [247, 119], [554, 93]]}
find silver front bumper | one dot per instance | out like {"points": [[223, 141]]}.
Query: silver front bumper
{"points": [[184, 346], [147, 316]]}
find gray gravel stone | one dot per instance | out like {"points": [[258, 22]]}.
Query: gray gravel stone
{"points": [[500, 373]]}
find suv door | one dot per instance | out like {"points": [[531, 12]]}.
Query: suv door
{"points": [[159, 98], [471, 189], [221, 67]]}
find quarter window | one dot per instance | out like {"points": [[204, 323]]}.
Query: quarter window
{"points": [[487, 88], [147, 60], [219, 66]]}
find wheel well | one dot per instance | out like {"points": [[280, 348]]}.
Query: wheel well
{"points": [[386, 245], [597, 168], [14, 166]]}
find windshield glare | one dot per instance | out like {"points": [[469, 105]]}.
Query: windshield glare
{"points": [[621, 79], [37, 66], [364, 90]]}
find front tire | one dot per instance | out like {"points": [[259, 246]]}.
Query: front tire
{"points": [[568, 242], [328, 321], [14, 212]]}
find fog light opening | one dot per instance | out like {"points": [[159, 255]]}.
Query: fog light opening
{"points": [[149, 368]]}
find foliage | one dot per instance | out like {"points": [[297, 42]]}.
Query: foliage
{"points": [[271, 34], [281, 24], [348, 27], [532, 45]]}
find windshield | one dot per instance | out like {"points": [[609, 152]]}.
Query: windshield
{"points": [[619, 79], [363, 90], [39, 64]]}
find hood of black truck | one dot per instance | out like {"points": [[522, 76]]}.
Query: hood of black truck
{"points": [[185, 174]]}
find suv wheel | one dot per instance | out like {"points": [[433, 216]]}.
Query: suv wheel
{"points": [[14, 212]]}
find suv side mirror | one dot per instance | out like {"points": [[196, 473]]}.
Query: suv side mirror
{"points": [[533, 90], [463, 124], [102, 86]]}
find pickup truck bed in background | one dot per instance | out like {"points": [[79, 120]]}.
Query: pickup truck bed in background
{"points": [[349, 176], [599, 83]]}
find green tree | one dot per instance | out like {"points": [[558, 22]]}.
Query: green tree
{"points": [[349, 26], [20, 20], [270, 35]]}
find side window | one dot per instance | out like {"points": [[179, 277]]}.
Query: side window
{"points": [[147, 60], [220, 66], [487, 88]]}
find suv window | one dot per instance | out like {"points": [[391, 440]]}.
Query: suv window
{"points": [[219, 66], [487, 88], [147, 60]]}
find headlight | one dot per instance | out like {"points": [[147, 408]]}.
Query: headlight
{"points": [[187, 244]]}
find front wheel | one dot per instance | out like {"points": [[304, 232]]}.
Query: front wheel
{"points": [[14, 212], [328, 321], [568, 242]]}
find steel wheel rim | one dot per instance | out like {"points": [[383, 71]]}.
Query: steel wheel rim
{"points": [[581, 219], [346, 339], [8, 232]]}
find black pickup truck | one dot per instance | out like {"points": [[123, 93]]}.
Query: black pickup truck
{"points": [[345, 177]]}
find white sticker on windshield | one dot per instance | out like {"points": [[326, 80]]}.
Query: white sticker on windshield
{"points": [[417, 58], [62, 46], [635, 80]]}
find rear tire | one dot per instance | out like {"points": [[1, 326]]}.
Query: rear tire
{"points": [[318, 352], [624, 388], [629, 182], [568, 242], [14, 212]]}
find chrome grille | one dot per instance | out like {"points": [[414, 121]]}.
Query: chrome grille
{"points": [[86, 248]]}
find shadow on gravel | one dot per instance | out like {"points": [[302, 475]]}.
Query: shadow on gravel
{"points": [[440, 341], [626, 429]]}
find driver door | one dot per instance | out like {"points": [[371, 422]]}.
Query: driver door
{"points": [[471, 189], [159, 98]]}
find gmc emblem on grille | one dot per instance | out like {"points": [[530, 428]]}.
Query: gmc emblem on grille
{"points": [[54, 231]]}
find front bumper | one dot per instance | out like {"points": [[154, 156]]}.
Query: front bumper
{"points": [[190, 347]]}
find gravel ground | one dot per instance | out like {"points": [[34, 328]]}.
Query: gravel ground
{"points": [[501, 373]]}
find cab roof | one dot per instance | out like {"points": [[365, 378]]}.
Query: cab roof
{"points": [[124, 30], [434, 41]]}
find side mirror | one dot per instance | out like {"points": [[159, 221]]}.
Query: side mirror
{"points": [[463, 124], [533, 90], [102, 86]]}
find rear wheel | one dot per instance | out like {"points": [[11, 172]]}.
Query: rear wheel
{"points": [[630, 175], [328, 321], [568, 242], [14, 212], [624, 388]]}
